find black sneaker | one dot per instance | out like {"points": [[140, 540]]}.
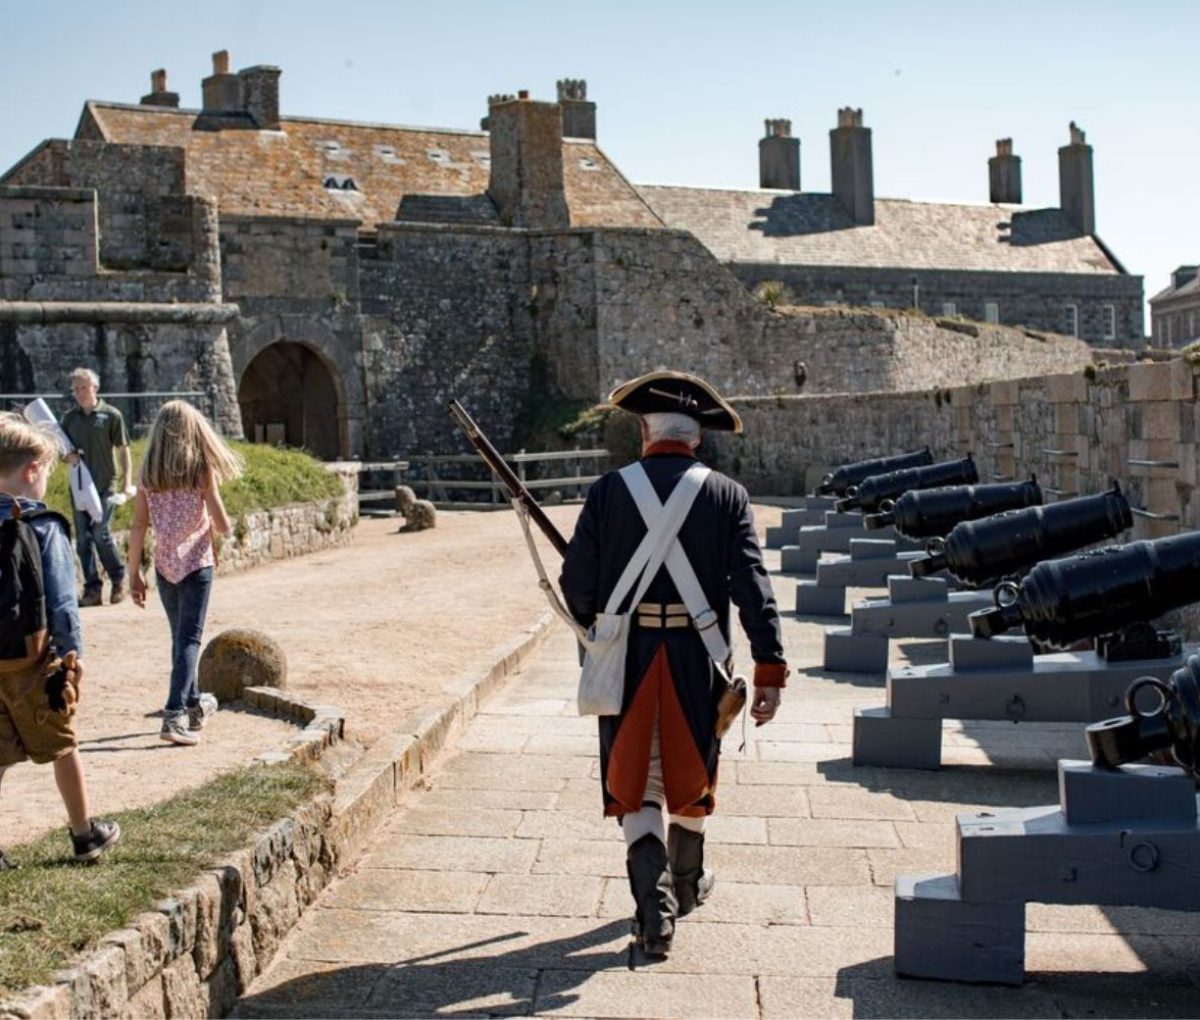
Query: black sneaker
{"points": [[6, 864], [102, 836]]}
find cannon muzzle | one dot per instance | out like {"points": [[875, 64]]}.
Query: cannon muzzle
{"points": [[1172, 725], [869, 495], [981, 552], [839, 480], [1066, 600]]}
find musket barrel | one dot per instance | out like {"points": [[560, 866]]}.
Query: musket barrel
{"points": [[516, 488], [840, 479]]}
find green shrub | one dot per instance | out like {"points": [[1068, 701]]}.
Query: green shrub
{"points": [[772, 293], [274, 477]]}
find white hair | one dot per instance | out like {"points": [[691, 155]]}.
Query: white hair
{"points": [[81, 374], [671, 425]]}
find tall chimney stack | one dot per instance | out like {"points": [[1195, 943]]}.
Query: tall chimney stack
{"points": [[1077, 196], [260, 94], [158, 94], [850, 162], [221, 91], [779, 157], [1004, 174], [578, 115], [526, 181]]}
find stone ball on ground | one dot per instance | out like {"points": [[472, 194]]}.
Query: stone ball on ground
{"points": [[405, 498], [421, 515], [239, 658]]}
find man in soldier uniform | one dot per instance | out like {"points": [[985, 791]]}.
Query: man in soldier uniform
{"points": [[661, 751]]}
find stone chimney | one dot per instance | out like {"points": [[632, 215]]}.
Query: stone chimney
{"points": [[779, 157], [495, 99], [578, 115], [526, 167], [221, 91], [1004, 174], [850, 163], [158, 94], [260, 94], [1077, 197]]}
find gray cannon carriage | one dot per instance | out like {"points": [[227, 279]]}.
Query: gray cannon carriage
{"points": [[832, 488], [972, 553], [1106, 597], [865, 561], [1123, 834]]}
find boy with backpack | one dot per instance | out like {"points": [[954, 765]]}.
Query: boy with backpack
{"points": [[40, 639]]}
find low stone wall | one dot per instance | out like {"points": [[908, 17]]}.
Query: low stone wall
{"points": [[283, 532]]}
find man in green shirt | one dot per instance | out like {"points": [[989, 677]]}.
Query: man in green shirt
{"points": [[97, 431]]}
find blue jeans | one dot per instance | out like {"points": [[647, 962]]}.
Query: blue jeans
{"points": [[186, 604], [93, 537]]}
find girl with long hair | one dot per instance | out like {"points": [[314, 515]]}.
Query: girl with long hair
{"points": [[179, 496]]}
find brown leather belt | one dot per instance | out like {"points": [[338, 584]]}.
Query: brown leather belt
{"points": [[657, 615]]}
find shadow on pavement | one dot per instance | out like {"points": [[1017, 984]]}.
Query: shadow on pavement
{"points": [[446, 984]]}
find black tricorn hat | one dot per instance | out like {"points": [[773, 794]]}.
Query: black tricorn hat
{"points": [[678, 392]]}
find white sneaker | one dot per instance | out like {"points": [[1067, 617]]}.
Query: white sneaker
{"points": [[175, 730], [198, 714]]}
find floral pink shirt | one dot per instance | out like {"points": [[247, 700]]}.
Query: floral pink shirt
{"points": [[182, 532]]}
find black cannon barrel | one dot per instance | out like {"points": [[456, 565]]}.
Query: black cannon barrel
{"points": [[840, 479], [1173, 725], [925, 513], [982, 552], [871, 492], [1062, 601]]}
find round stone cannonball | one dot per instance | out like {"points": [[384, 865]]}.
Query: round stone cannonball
{"points": [[240, 658]]}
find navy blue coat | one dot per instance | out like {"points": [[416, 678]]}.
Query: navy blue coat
{"points": [[669, 675]]}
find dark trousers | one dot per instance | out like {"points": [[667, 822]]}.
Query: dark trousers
{"points": [[186, 604], [93, 537]]}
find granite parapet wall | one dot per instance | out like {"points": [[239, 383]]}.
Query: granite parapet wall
{"points": [[1077, 432]]}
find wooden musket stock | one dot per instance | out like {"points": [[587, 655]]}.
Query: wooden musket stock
{"points": [[508, 477]]}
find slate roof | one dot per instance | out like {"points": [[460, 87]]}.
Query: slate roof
{"points": [[1189, 289], [797, 228], [411, 172]]}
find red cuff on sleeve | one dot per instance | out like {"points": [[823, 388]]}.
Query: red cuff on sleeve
{"points": [[770, 674]]}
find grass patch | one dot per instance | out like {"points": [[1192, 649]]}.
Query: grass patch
{"points": [[52, 909], [274, 477]]}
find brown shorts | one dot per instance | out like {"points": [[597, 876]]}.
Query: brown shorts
{"points": [[29, 727]]}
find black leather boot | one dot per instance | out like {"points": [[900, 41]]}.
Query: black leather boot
{"points": [[685, 850], [653, 889]]}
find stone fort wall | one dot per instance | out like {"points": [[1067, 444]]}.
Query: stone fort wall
{"points": [[1077, 432], [1037, 300], [144, 325]]}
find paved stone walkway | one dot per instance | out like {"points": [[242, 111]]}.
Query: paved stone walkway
{"points": [[501, 889]]}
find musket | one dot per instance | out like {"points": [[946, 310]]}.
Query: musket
{"points": [[516, 488]]}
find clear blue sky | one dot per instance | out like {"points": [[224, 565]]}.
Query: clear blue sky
{"points": [[683, 87]]}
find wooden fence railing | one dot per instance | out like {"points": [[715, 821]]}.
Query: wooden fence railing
{"points": [[436, 477]]}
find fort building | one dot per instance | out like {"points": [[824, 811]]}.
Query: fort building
{"points": [[1175, 310], [333, 284]]}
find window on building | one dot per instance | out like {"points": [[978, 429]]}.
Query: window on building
{"points": [[991, 311], [876, 303], [1191, 325], [1110, 321], [949, 309], [1071, 320]]}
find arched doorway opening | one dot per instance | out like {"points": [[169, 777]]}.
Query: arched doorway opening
{"points": [[289, 396]]}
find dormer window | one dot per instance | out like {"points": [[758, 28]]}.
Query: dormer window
{"points": [[587, 163], [340, 182], [439, 156]]}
